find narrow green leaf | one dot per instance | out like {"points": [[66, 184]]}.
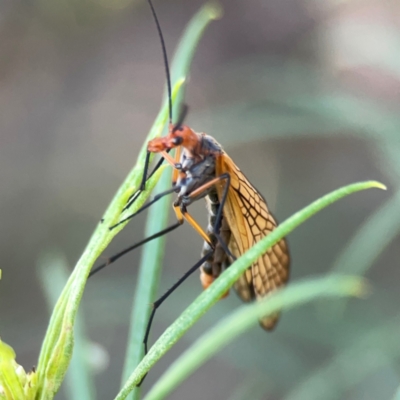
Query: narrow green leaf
{"points": [[209, 297], [11, 386], [53, 273], [243, 319]]}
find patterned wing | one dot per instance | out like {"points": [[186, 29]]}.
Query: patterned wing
{"points": [[244, 285], [250, 220]]}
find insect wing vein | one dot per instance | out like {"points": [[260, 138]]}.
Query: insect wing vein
{"points": [[249, 219]]}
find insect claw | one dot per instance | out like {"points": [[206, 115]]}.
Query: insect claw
{"points": [[114, 226], [141, 381]]}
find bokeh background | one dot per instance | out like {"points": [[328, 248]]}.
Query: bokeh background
{"points": [[304, 96]]}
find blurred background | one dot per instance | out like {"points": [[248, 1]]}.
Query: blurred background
{"points": [[303, 95]]}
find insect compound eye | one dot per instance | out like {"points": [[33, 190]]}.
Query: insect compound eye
{"points": [[177, 140]]}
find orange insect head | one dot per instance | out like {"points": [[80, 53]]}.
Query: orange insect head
{"points": [[177, 136]]}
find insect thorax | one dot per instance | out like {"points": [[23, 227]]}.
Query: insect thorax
{"points": [[209, 144], [198, 168]]}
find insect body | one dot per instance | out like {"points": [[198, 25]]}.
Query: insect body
{"points": [[239, 216]]}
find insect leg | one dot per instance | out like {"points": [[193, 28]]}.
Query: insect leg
{"points": [[155, 199], [165, 156], [132, 199], [148, 239], [218, 220], [204, 235], [179, 217], [175, 171], [134, 246], [142, 186], [161, 299], [195, 225]]}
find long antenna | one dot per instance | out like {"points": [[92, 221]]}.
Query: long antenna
{"points": [[164, 51]]}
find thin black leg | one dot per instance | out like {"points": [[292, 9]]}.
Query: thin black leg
{"points": [[156, 198], [157, 166], [145, 170], [160, 300], [128, 249], [142, 186]]}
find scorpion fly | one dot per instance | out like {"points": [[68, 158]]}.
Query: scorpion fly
{"points": [[238, 215]]}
